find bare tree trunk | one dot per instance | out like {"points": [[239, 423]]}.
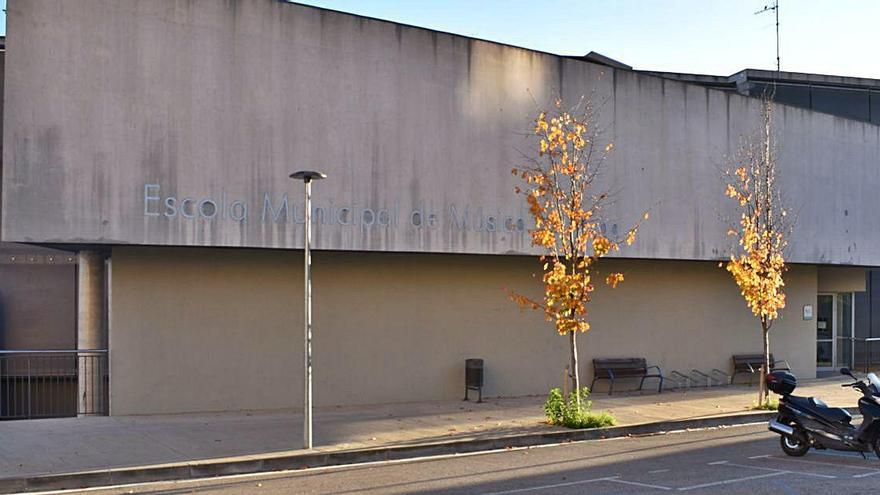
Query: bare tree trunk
{"points": [[575, 376], [566, 378], [763, 393]]}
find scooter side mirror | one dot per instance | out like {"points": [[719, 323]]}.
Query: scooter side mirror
{"points": [[847, 372]]}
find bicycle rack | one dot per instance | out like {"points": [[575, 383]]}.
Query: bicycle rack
{"points": [[702, 376], [718, 374], [679, 379]]}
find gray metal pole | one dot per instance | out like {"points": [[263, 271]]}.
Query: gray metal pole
{"points": [[778, 63], [307, 378], [306, 176]]}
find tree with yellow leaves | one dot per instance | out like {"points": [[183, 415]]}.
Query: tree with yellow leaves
{"points": [[559, 190], [758, 262]]}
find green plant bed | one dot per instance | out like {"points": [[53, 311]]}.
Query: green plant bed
{"points": [[575, 412], [771, 405]]}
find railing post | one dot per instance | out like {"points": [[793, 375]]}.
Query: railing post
{"points": [[29, 387]]}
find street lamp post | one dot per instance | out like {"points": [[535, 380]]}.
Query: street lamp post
{"points": [[307, 176]]}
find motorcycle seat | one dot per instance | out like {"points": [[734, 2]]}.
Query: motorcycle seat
{"points": [[819, 408]]}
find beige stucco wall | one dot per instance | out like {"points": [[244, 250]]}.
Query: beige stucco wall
{"points": [[841, 279], [212, 330]]}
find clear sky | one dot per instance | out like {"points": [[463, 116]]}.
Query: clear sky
{"points": [[701, 36]]}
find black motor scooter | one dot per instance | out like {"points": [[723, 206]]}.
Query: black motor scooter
{"points": [[806, 422]]}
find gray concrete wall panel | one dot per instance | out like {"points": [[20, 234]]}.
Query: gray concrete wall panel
{"points": [[173, 123]]}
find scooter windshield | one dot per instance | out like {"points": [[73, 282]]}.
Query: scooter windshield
{"points": [[875, 382]]}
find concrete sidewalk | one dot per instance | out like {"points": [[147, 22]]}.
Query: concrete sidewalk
{"points": [[53, 446]]}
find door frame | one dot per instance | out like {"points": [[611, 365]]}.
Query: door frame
{"points": [[833, 338], [852, 327]]}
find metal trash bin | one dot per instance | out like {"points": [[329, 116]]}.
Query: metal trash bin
{"points": [[473, 377]]}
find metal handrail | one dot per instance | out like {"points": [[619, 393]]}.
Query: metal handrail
{"points": [[867, 341], [43, 383]]}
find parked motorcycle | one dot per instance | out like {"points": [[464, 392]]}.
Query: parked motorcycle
{"points": [[807, 422]]}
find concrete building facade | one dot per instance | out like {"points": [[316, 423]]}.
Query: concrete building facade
{"points": [[161, 137]]}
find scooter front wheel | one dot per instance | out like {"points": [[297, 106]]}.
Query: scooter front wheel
{"points": [[796, 445], [875, 444]]}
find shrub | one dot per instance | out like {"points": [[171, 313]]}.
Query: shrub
{"points": [[772, 404], [574, 412]]}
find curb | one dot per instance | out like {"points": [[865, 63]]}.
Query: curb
{"points": [[303, 460]]}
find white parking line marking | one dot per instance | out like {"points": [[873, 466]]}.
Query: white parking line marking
{"points": [[840, 454], [658, 471], [717, 463], [644, 485], [865, 475], [783, 471], [557, 485], [760, 456], [727, 482], [804, 461], [773, 472]]}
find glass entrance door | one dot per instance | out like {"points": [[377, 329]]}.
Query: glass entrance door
{"points": [[843, 330], [834, 330], [825, 340]]}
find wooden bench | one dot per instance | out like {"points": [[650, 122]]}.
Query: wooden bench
{"points": [[752, 363], [610, 369]]}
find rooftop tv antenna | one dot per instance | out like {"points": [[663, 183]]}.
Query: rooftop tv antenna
{"points": [[775, 8]]}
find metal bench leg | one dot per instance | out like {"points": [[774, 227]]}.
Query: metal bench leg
{"points": [[660, 387], [611, 387], [642, 383], [592, 384]]}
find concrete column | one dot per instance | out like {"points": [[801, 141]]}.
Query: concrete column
{"points": [[90, 331]]}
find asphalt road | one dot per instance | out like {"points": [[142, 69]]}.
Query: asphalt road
{"points": [[736, 460]]}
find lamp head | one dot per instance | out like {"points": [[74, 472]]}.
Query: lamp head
{"points": [[307, 175]]}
